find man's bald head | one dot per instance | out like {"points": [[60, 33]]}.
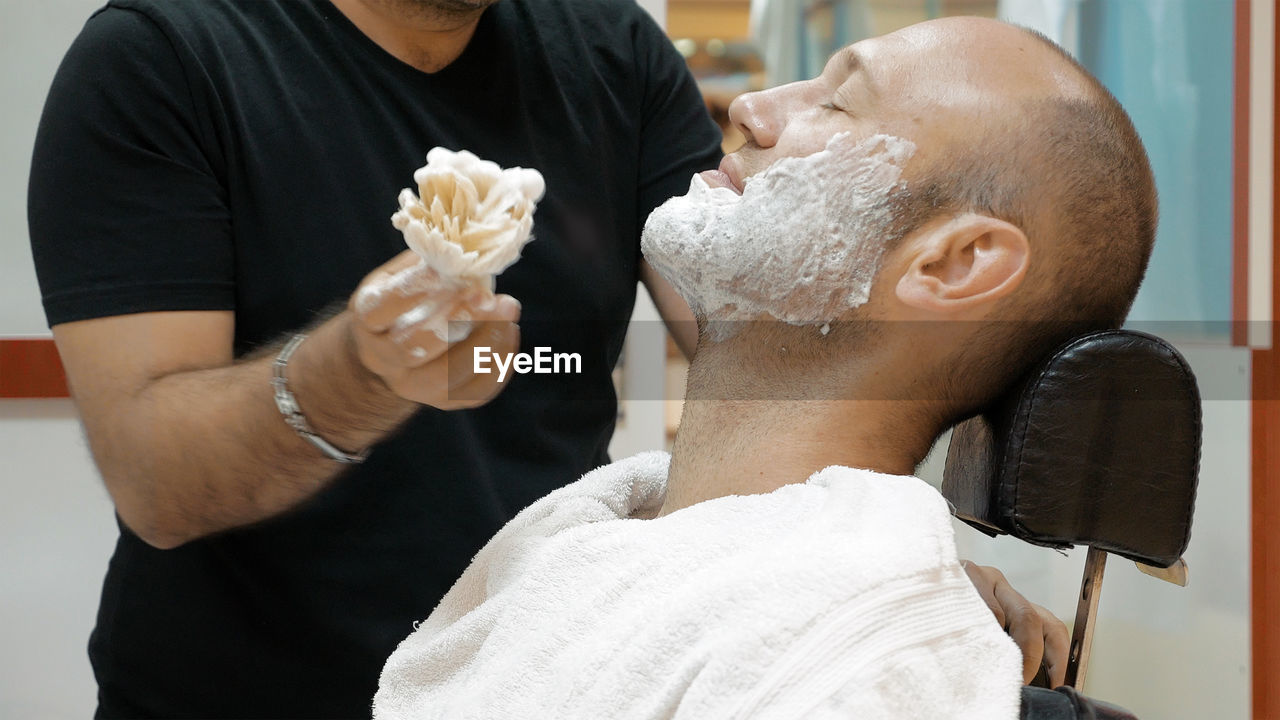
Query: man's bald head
{"points": [[1056, 155]]}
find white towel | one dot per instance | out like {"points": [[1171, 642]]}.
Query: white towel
{"points": [[840, 597]]}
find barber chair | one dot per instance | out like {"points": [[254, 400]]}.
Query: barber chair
{"points": [[1099, 446]]}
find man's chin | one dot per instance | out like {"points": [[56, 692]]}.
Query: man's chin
{"points": [[454, 7]]}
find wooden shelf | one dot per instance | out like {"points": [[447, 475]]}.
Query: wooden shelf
{"points": [[727, 20]]}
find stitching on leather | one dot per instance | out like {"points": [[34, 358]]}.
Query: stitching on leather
{"points": [[1193, 390], [1188, 383], [1020, 420]]}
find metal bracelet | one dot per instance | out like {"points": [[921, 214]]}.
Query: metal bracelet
{"points": [[288, 406]]}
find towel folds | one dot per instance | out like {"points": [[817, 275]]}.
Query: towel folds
{"points": [[838, 597]]}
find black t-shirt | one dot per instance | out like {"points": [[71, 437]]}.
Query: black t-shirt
{"points": [[246, 156]]}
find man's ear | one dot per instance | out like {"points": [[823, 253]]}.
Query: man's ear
{"points": [[964, 265]]}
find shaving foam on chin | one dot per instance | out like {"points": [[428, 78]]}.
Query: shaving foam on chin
{"points": [[801, 244]]}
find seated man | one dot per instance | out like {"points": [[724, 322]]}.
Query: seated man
{"points": [[899, 240]]}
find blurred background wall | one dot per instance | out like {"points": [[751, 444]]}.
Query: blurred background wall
{"points": [[56, 523]]}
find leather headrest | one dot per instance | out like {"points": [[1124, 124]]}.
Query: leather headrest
{"points": [[1099, 445]]}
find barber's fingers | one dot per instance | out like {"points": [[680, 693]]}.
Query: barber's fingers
{"points": [[1057, 646], [499, 337], [421, 337], [403, 285], [450, 381], [481, 388], [1025, 625], [984, 580], [414, 340], [387, 352], [405, 260], [1039, 635], [443, 378]]}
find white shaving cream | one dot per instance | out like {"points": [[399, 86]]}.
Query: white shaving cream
{"points": [[801, 244]]}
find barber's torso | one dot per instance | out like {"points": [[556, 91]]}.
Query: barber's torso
{"points": [[307, 131]]}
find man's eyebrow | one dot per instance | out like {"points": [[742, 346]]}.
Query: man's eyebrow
{"points": [[853, 64], [852, 60]]}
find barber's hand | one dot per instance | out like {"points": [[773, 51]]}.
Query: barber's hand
{"points": [[392, 311], [1041, 636]]}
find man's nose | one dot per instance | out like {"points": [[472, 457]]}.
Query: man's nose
{"points": [[758, 116]]}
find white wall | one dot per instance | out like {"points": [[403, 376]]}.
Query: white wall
{"points": [[34, 34], [56, 534], [56, 524], [656, 8]]}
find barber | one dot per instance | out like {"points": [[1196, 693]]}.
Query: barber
{"points": [[210, 181]]}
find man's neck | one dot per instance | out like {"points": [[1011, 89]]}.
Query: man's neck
{"points": [[417, 33], [727, 445]]}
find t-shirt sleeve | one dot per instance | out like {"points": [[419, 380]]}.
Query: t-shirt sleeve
{"points": [[677, 137], [126, 209]]}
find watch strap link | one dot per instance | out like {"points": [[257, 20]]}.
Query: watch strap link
{"points": [[289, 408]]}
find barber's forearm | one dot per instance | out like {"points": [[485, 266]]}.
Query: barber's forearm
{"points": [[194, 453]]}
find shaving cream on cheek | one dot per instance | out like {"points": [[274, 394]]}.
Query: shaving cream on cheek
{"points": [[801, 244]]}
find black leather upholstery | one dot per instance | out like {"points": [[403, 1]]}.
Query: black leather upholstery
{"points": [[1067, 704], [1099, 445]]}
